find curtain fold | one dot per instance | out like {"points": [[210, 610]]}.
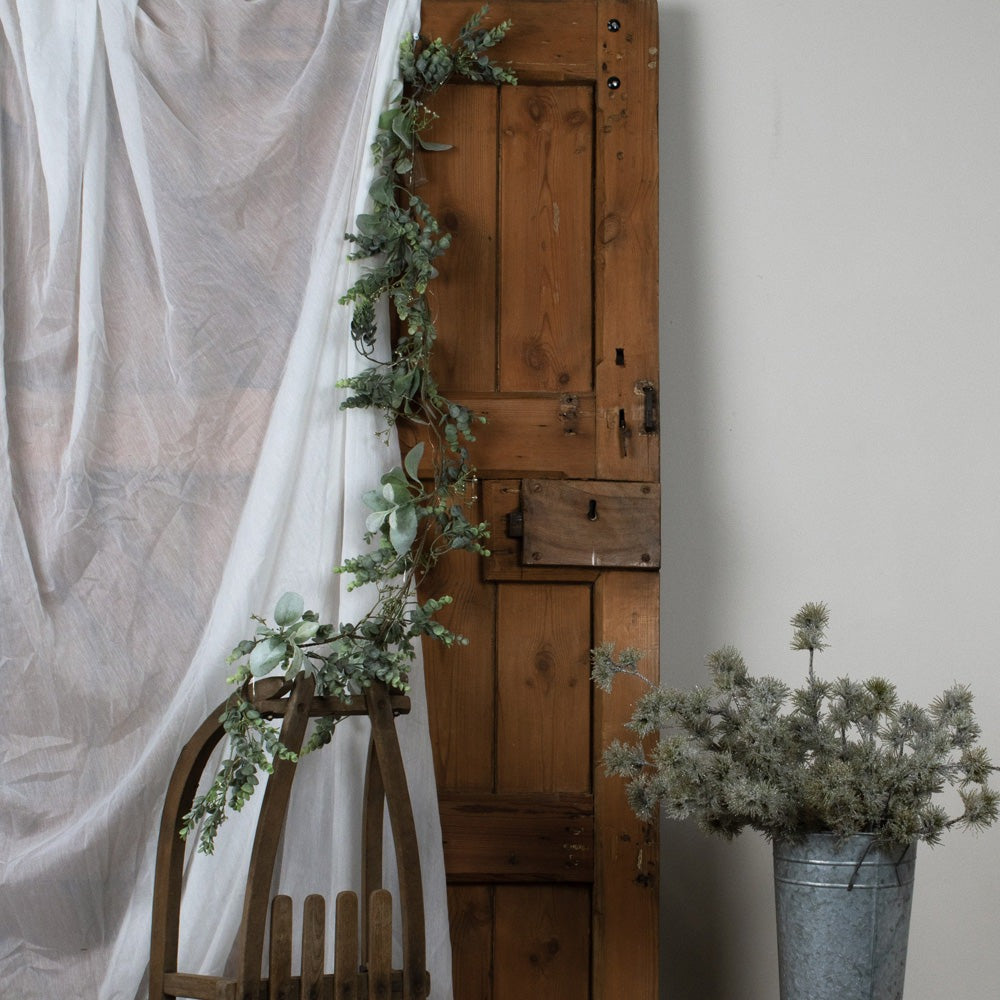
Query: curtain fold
{"points": [[176, 181]]}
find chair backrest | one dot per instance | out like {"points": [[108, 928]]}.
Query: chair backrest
{"points": [[361, 966]]}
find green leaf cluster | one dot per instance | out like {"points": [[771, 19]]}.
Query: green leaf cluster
{"points": [[415, 519], [427, 64], [841, 756], [254, 746], [403, 239]]}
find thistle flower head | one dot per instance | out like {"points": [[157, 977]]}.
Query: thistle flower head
{"points": [[809, 624]]}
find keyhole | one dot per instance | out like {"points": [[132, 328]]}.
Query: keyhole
{"points": [[592, 510]]}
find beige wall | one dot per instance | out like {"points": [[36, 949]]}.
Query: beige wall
{"points": [[830, 286]]}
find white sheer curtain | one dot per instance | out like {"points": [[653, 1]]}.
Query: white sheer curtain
{"points": [[177, 177]]}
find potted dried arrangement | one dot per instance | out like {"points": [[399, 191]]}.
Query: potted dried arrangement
{"points": [[841, 776]]}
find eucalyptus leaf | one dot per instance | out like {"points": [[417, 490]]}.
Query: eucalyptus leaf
{"points": [[305, 631], [288, 609], [267, 655]]}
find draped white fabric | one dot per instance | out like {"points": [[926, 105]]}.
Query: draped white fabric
{"points": [[177, 177]]}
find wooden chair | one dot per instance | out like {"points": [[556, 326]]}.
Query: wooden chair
{"points": [[363, 969]]}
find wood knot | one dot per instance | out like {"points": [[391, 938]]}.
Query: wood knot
{"points": [[609, 229], [536, 110]]}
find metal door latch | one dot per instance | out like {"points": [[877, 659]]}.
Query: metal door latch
{"points": [[624, 432], [649, 423], [515, 524]]}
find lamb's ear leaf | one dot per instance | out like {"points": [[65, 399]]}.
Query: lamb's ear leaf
{"points": [[395, 487], [288, 609], [403, 529], [403, 128], [294, 663], [382, 190], [374, 500], [375, 520], [368, 225], [432, 147], [412, 461]]}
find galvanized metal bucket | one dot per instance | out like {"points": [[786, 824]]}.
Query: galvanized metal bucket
{"points": [[843, 918]]}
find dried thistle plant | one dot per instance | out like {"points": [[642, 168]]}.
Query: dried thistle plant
{"points": [[840, 756]]}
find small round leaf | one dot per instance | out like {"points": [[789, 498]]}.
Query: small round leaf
{"points": [[267, 655], [289, 609]]}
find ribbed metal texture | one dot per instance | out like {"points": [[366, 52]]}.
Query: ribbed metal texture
{"points": [[835, 942]]}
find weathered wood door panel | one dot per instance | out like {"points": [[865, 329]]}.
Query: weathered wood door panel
{"points": [[546, 173], [547, 313]]}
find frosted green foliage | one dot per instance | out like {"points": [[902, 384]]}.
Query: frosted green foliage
{"points": [[837, 756], [810, 623], [604, 665], [254, 748]]}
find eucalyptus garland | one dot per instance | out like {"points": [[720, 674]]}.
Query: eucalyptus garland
{"points": [[412, 524]]}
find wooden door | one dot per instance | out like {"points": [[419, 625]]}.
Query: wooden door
{"points": [[547, 310]]}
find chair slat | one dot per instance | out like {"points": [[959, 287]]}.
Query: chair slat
{"points": [[380, 945], [313, 947], [345, 971], [372, 816], [280, 974]]}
